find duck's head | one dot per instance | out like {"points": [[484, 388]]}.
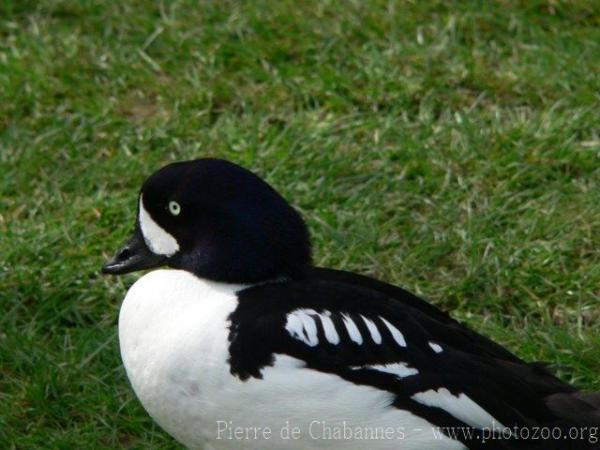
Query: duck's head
{"points": [[217, 220]]}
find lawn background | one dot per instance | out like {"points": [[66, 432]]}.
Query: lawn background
{"points": [[450, 147]]}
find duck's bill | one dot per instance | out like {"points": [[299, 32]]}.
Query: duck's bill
{"points": [[135, 255]]}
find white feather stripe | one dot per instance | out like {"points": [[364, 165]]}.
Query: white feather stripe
{"points": [[310, 328], [375, 335], [329, 328], [396, 334], [295, 327], [400, 370], [436, 347], [353, 330], [460, 406], [301, 325]]}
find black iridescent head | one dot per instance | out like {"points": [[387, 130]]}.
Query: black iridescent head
{"points": [[217, 220]]}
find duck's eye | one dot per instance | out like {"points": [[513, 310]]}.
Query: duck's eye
{"points": [[174, 208]]}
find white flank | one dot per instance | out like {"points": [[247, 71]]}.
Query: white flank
{"points": [[396, 334], [353, 330], [173, 331], [461, 407], [372, 329], [436, 347], [156, 238]]}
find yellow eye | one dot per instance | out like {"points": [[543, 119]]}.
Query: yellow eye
{"points": [[174, 208]]}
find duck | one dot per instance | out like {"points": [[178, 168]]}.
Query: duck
{"points": [[233, 339]]}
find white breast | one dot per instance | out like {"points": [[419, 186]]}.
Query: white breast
{"points": [[173, 332]]}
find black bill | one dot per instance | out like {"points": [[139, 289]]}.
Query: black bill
{"points": [[135, 255]]}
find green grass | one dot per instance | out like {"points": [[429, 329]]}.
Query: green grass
{"points": [[449, 147]]}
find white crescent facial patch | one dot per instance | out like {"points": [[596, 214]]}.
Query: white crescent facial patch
{"points": [[156, 238]]}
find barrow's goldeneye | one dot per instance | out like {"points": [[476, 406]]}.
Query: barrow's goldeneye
{"points": [[244, 344]]}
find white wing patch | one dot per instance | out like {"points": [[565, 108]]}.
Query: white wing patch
{"points": [[156, 238], [396, 334], [375, 335], [400, 370], [436, 347], [353, 330], [461, 407]]}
